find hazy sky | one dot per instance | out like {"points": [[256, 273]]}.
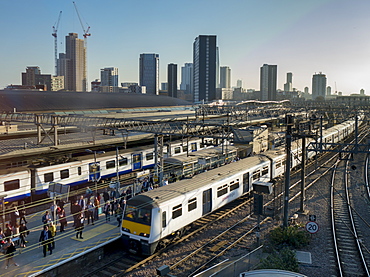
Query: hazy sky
{"points": [[302, 37]]}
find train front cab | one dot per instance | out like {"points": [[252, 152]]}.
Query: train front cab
{"points": [[136, 225]]}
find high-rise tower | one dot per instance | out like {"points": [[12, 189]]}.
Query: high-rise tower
{"points": [[172, 80], [288, 86], [149, 72], [187, 78], [318, 85], [72, 64], [225, 77], [204, 62], [268, 80], [109, 76]]}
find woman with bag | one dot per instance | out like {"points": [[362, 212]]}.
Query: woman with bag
{"points": [[9, 248]]}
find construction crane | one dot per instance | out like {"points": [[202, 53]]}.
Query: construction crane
{"points": [[54, 34], [85, 35], [86, 31]]}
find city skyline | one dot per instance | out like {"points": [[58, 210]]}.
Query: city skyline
{"points": [[299, 37]]}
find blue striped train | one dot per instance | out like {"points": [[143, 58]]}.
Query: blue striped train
{"points": [[20, 183]]}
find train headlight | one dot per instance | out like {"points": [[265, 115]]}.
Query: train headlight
{"points": [[144, 235], [126, 230]]}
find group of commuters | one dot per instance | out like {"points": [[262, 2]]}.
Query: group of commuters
{"points": [[85, 209]]}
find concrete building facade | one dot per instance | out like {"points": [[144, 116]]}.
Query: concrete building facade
{"points": [[318, 85], [225, 77]]}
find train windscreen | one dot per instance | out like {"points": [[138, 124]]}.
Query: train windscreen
{"points": [[140, 215]]}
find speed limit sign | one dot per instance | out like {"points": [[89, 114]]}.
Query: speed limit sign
{"points": [[312, 227]]}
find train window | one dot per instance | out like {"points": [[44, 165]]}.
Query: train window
{"points": [[278, 164], [110, 164], [149, 156], [265, 170], [221, 190], [192, 204], [185, 148], [177, 211], [11, 185], [64, 174], [49, 177], [234, 186], [79, 170], [256, 175], [177, 150], [164, 219], [122, 162]]}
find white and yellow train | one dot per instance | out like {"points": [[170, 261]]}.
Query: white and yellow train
{"points": [[154, 218]]}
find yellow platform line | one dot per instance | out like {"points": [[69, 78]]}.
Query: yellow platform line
{"points": [[99, 230]]}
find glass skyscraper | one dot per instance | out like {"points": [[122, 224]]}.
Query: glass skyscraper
{"points": [[204, 68], [149, 72]]}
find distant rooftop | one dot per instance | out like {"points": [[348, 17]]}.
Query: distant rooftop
{"points": [[46, 101]]}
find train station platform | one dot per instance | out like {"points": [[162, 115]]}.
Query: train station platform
{"points": [[31, 259]]}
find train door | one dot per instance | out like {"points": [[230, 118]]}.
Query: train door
{"points": [[136, 161], [245, 182], [94, 172], [193, 147], [207, 201]]}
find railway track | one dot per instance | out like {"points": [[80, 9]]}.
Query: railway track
{"points": [[349, 251], [218, 246]]}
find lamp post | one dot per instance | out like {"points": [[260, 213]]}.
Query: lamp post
{"points": [[96, 168]]}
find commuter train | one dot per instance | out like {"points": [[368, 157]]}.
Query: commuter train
{"points": [[20, 183], [153, 219]]}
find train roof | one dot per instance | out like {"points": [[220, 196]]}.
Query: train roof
{"points": [[174, 190], [194, 156]]}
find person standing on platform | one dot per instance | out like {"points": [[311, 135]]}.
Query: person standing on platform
{"points": [[119, 212], [107, 211], [9, 248], [45, 239], [8, 231], [105, 196], [62, 219], [97, 206], [82, 203], [165, 182], [79, 226], [53, 231], [46, 218], [23, 233], [75, 210], [13, 216], [22, 214], [90, 212]]}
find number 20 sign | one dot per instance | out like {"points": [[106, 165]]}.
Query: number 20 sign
{"points": [[312, 227]]}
